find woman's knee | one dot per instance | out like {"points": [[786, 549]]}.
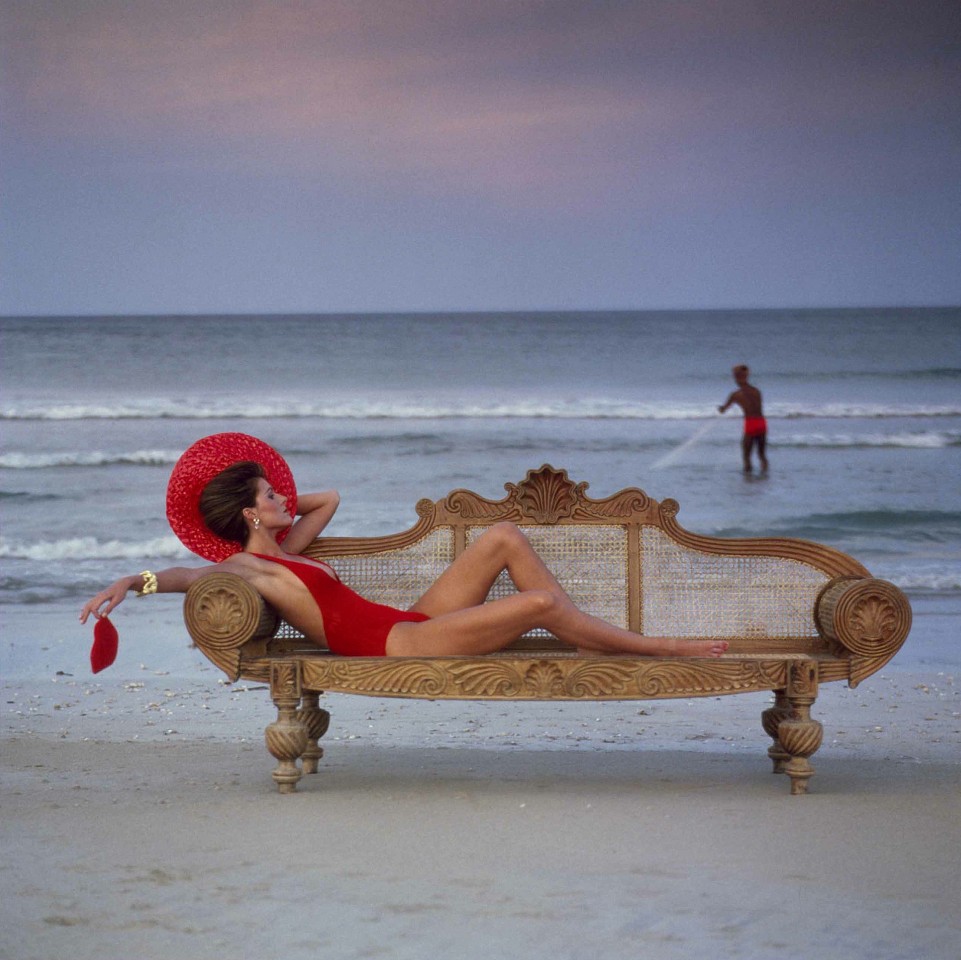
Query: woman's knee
{"points": [[542, 605], [508, 535]]}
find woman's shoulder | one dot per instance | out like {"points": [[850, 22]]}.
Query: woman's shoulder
{"points": [[245, 565]]}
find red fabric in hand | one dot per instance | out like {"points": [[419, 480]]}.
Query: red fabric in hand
{"points": [[104, 649]]}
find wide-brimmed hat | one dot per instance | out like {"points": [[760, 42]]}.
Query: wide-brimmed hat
{"points": [[199, 464]]}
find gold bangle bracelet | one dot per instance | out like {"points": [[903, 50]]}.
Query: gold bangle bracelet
{"points": [[149, 583]]}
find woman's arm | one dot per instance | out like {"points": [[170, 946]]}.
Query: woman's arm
{"points": [[172, 580], [316, 511]]}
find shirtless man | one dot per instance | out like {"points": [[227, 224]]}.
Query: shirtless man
{"points": [[748, 398]]}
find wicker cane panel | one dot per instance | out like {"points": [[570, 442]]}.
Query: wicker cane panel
{"points": [[687, 593], [590, 563], [395, 577]]}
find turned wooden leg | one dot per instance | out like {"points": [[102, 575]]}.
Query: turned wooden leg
{"points": [[286, 738], [316, 721], [771, 720], [798, 733]]}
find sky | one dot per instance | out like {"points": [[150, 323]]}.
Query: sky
{"points": [[234, 156]]}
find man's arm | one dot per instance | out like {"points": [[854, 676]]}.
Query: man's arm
{"points": [[733, 398]]}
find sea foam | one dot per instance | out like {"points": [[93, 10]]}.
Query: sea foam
{"points": [[445, 408], [90, 548], [22, 460]]}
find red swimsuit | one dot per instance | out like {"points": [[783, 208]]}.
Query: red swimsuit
{"points": [[353, 626]]}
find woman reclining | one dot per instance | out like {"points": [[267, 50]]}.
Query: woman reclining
{"points": [[231, 499]]}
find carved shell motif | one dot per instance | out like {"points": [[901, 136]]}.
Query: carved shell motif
{"points": [[222, 617], [874, 620], [544, 679], [876, 623], [547, 495]]}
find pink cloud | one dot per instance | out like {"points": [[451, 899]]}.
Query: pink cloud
{"points": [[399, 94], [518, 101]]}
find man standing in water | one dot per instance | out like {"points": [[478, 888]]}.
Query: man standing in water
{"points": [[748, 398]]}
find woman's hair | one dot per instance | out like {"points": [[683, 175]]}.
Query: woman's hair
{"points": [[227, 495]]}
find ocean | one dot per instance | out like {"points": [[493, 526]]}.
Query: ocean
{"points": [[863, 407]]}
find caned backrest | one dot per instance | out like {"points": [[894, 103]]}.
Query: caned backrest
{"points": [[623, 558]]}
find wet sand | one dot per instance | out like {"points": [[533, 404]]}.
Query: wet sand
{"points": [[140, 819]]}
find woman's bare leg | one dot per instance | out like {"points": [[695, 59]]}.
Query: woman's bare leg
{"points": [[468, 580], [463, 624], [472, 631], [492, 626]]}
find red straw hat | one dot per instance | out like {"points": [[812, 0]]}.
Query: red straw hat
{"points": [[199, 464]]}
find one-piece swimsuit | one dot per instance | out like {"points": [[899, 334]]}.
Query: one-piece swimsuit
{"points": [[353, 626]]}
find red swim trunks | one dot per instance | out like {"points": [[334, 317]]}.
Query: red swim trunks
{"points": [[755, 426]]}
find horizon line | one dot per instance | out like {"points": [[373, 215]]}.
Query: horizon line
{"points": [[472, 312]]}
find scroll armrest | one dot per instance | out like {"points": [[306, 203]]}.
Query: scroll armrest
{"points": [[223, 613], [869, 618]]}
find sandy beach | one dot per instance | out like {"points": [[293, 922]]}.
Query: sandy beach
{"points": [[140, 820], [425, 250]]}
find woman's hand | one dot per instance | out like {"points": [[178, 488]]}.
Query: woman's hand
{"points": [[171, 580], [112, 596]]}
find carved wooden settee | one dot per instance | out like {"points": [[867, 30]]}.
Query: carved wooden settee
{"points": [[796, 614]]}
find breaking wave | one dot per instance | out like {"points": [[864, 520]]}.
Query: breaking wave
{"points": [[921, 440], [90, 548], [596, 408], [880, 526], [20, 460]]}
